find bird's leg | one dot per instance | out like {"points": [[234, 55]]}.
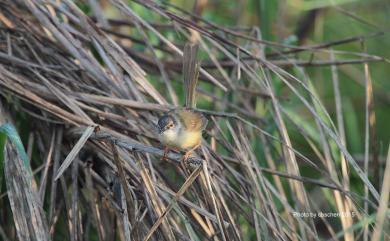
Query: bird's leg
{"points": [[188, 153], [166, 151]]}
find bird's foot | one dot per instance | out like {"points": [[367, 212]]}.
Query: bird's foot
{"points": [[165, 154], [186, 156]]}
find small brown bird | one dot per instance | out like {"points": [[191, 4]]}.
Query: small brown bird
{"points": [[182, 127]]}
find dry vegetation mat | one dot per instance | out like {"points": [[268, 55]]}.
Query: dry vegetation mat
{"points": [[88, 91]]}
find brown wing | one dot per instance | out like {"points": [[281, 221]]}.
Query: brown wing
{"points": [[192, 120]]}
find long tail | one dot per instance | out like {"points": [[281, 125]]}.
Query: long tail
{"points": [[191, 73]]}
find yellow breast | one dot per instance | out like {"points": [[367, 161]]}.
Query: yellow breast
{"points": [[190, 139], [181, 139]]}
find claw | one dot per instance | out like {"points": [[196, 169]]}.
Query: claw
{"points": [[165, 155], [186, 155]]}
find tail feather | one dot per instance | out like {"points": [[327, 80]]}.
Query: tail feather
{"points": [[191, 73]]}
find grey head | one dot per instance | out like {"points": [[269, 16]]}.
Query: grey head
{"points": [[166, 122]]}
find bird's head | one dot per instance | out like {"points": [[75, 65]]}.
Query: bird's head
{"points": [[166, 123]]}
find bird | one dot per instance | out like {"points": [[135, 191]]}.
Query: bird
{"points": [[181, 128]]}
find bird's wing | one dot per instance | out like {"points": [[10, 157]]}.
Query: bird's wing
{"points": [[192, 120]]}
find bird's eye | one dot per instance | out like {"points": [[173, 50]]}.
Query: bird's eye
{"points": [[170, 125]]}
